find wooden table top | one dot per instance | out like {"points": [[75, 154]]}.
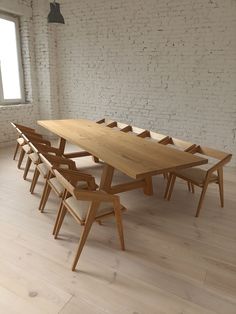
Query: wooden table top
{"points": [[134, 156]]}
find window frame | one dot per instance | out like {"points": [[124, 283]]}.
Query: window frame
{"points": [[21, 100]]}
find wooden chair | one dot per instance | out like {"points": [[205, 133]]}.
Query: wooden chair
{"points": [[21, 128], [20, 143], [42, 169], [25, 147], [33, 153], [85, 207], [184, 146], [202, 177], [52, 184]]}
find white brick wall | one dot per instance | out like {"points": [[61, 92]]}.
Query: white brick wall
{"points": [[164, 65], [26, 113], [39, 62], [169, 66]]}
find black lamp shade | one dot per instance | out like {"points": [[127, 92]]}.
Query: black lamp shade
{"points": [[54, 15]]}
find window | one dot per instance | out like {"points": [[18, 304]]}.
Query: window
{"points": [[11, 74]]}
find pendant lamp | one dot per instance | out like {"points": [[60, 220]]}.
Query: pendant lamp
{"points": [[55, 15]]}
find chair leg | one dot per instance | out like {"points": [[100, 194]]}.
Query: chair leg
{"points": [[168, 186], [166, 175], [172, 183], [60, 220], [27, 166], [192, 187], [34, 181], [201, 199], [221, 186], [65, 193], [16, 150], [119, 225], [22, 154], [88, 224], [45, 195], [57, 218]]}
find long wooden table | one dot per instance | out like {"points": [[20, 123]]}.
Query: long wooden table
{"points": [[136, 157]]}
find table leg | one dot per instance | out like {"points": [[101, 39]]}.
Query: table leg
{"points": [[148, 189], [62, 144], [106, 178]]}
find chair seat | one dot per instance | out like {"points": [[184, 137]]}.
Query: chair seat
{"points": [[20, 141], [196, 175], [34, 157], [81, 208], [58, 187], [27, 148]]}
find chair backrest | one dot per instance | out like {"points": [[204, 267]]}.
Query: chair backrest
{"points": [[33, 147], [101, 121], [223, 157], [107, 122], [67, 185], [39, 148], [19, 131], [35, 150], [35, 139], [52, 161], [214, 153], [139, 132], [84, 195], [126, 128], [22, 127], [30, 134], [27, 131], [180, 144], [158, 137], [46, 161], [123, 126]]}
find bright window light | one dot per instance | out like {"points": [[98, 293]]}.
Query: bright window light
{"points": [[10, 76]]}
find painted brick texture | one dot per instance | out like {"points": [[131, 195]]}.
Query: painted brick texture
{"points": [[39, 63], [168, 66], [25, 113]]}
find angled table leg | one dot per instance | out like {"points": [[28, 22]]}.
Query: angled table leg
{"points": [[106, 183], [62, 144], [106, 179]]}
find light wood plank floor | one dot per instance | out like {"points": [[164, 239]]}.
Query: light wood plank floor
{"points": [[174, 263]]}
